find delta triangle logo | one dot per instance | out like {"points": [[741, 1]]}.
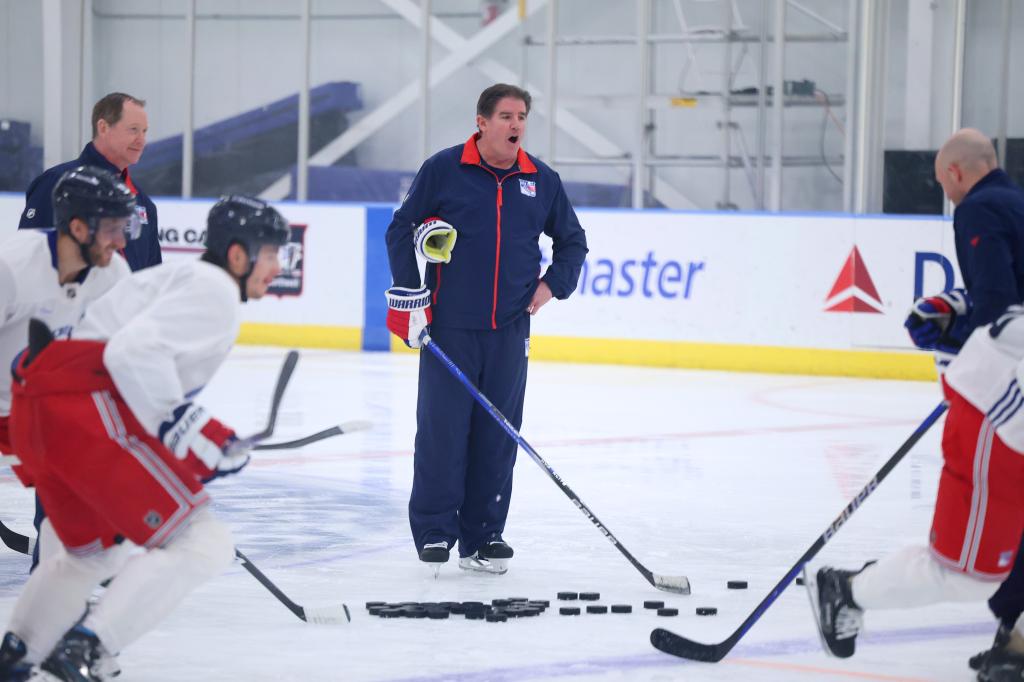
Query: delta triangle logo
{"points": [[853, 291]]}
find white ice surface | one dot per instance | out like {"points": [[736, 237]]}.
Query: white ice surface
{"points": [[716, 476]]}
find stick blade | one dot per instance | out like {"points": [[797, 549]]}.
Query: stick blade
{"points": [[337, 614], [355, 425], [671, 643], [678, 584]]}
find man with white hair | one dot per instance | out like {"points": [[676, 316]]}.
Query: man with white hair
{"points": [[979, 511]]}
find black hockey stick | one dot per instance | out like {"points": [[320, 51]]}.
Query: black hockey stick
{"points": [[670, 583], [672, 643], [283, 378], [15, 540], [340, 429], [324, 615]]}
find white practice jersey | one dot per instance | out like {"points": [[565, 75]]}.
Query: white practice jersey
{"points": [[168, 328], [988, 374], [29, 287]]}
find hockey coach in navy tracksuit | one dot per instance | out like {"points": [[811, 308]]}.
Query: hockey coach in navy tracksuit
{"points": [[119, 125], [477, 300]]}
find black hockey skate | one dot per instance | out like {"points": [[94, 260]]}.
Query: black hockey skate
{"points": [[435, 554], [492, 557], [76, 658], [977, 661], [12, 666], [839, 617], [999, 664]]}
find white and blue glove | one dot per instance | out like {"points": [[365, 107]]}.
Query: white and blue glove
{"points": [[939, 320], [207, 446], [435, 240]]}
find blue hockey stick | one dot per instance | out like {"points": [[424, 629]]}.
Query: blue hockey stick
{"points": [[677, 645], [678, 584]]}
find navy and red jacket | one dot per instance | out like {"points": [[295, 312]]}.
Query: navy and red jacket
{"points": [[988, 229], [499, 215], [140, 253]]}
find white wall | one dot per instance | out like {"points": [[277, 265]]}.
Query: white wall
{"points": [[247, 55], [21, 64]]}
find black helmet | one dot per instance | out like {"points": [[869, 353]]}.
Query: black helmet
{"points": [[90, 193], [247, 221]]}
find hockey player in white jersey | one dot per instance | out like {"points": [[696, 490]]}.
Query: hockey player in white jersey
{"points": [[53, 274], [979, 509], [106, 426]]}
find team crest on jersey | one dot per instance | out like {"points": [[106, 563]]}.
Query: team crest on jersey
{"points": [[528, 187], [141, 212], [291, 255], [30, 213], [153, 519]]}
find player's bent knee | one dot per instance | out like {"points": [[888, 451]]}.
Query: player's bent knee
{"points": [[209, 543]]}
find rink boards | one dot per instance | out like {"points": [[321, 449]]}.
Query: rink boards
{"points": [[796, 293]]}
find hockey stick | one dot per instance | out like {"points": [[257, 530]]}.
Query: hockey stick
{"points": [[679, 584], [16, 541], [25, 545], [13, 539], [672, 643], [340, 429], [323, 615], [283, 378]]}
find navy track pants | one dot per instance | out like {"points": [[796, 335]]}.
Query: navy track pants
{"points": [[462, 480]]}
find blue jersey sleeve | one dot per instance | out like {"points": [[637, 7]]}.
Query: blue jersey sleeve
{"points": [[39, 203], [988, 265], [569, 246], [421, 202]]}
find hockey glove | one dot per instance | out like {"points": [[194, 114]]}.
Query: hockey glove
{"points": [[202, 442], [435, 240], [408, 313], [932, 316]]}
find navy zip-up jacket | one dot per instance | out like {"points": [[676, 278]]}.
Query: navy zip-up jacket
{"points": [[988, 228], [495, 265], [140, 253]]}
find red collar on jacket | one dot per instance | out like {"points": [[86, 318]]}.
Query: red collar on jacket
{"points": [[471, 155]]}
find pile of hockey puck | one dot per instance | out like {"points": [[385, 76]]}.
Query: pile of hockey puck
{"points": [[498, 611]]}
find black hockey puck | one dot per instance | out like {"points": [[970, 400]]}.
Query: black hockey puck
{"points": [[414, 613], [568, 596], [496, 617], [799, 581], [654, 604], [518, 600], [668, 612], [532, 611], [622, 608], [595, 608], [706, 611], [590, 596], [371, 604], [569, 610], [544, 603], [500, 602], [475, 615], [390, 613], [437, 614], [736, 584], [375, 610]]}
